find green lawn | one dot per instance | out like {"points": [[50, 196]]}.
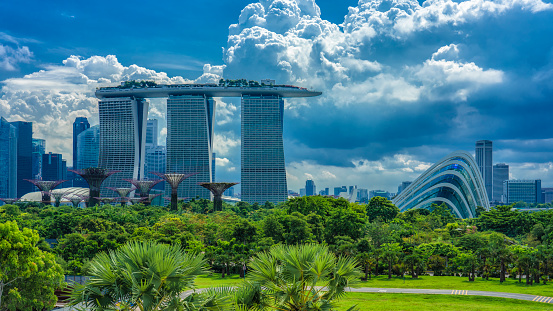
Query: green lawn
{"points": [[452, 282], [213, 280], [413, 302]]}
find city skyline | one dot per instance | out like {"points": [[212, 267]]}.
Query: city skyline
{"points": [[393, 103]]}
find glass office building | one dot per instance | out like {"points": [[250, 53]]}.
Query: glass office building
{"points": [[88, 148], [484, 160], [39, 149], [190, 142], [455, 180], [122, 139], [8, 159], [528, 191], [263, 170]]}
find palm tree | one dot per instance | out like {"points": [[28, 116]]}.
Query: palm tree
{"points": [[144, 276], [302, 277]]}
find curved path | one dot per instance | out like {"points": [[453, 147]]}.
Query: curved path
{"points": [[452, 292]]}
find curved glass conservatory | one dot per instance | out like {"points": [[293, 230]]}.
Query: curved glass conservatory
{"points": [[454, 180]]}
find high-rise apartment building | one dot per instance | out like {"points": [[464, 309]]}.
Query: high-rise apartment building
{"points": [[528, 191], [8, 159], [52, 167], [338, 190], [310, 188], [24, 157], [263, 172], [39, 149], [122, 138], [80, 125], [500, 174], [190, 142], [484, 160]]}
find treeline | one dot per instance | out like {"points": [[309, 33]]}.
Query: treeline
{"points": [[497, 243]]}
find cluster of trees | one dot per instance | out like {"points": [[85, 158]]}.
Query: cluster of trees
{"points": [[239, 82], [500, 242]]}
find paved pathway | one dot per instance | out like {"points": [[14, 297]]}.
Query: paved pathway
{"points": [[453, 292]]}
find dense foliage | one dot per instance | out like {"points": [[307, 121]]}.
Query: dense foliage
{"points": [[500, 242]]}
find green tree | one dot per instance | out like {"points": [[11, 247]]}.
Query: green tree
{"points": [[466, 262], [292, 277], [391, 252], [381, 208], [142, 276], [28, 276]]}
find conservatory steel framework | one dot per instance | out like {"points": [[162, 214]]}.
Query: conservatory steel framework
{"points": [[454, 180]]}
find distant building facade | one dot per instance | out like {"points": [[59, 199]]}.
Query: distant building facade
{"points": [[24, 157], [339, 190], [528, 191], [156, 161], [403, 185], [8, 159], [379, 193], [546, 195], [88, 148], [80, 125], [39, 149], [151, 133], [310, 188], [500, 174], [52, 166], [484, 160]]}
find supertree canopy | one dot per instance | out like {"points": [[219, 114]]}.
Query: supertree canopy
{"points": [[174, 180], [45, 186], [217, 188], [122, 192], [94, 176], [75, 199], [106, 200], [58, 195], [144, 187]]}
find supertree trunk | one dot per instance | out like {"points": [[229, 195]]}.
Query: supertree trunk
{"points": [[94, 176], [217, 189], [174, 180]]}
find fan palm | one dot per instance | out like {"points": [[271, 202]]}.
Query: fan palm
{"points": [[145, 276], [303, 277]]}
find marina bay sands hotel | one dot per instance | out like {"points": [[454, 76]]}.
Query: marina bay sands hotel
{"points": [[123, 112]]}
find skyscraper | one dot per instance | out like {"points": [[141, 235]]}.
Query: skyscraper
{"points": [[484, 160], [151, 133], [52, 167], [8, 159], [39, 149], [403, 186], [88, 148], [528, 191], [24, 157], [310, 188], [122, 138], [500, 174], [156, 161], [81, 124], [263, 171], [190, 142]]}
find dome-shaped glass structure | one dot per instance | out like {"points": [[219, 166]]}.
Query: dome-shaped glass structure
{"points": [[454, 180]]}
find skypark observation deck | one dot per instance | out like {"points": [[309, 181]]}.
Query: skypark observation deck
{"points": [[209, 90]]}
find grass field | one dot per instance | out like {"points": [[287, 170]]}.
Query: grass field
{"points": [[412, 302], [430, 282], [452, 282]]}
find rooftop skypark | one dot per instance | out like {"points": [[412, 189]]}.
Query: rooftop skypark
{"points": [[225, 88]]}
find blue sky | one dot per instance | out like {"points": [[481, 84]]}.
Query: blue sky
{"points": [[404, 82]]}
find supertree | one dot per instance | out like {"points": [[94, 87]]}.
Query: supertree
{"points": [[58, 195], [122, 192], [94, 176], [9, 200], [75, 199], [144, 187], [151, 197], [174, 180], [217, 188], [45, 186]]}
